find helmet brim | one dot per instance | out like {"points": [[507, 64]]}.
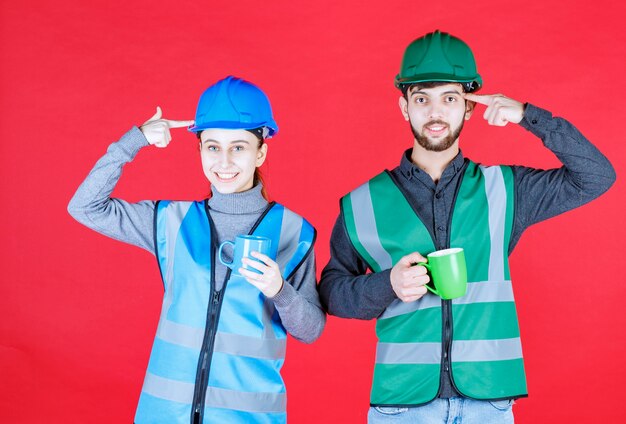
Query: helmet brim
{"points": [[476, 80], [229, 125]]}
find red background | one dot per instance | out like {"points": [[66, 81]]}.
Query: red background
{"points": [[79, 311]]}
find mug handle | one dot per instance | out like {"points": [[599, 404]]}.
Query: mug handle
{"points": [[219, 254], [425, 265]]}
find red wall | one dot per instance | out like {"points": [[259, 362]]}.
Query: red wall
{"points": [[79, 310]]}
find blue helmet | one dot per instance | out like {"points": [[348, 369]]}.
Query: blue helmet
{"points": [[233, 103]]}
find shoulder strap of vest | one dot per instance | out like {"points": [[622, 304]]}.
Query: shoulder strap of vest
{"points": [[168, 220], [295, 236], [377, 218], [483, 216]]}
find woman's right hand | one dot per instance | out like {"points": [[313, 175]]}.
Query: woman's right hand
{"points": [[157, 130]]}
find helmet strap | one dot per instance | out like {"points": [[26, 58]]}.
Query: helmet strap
{"points": [[261, 132]]}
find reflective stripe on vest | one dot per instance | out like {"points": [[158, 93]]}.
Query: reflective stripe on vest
{"points": [[486, 351], [244, 382]]}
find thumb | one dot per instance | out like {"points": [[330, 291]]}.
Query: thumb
{"points": [[157, 115]]}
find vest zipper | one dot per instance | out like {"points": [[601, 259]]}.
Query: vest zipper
{"points": [[206, 353], [213, 314], [447, 304], [447, 344], [447, 335]]}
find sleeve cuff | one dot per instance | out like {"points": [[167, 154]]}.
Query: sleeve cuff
{"points": [[380, 290], [536, 120], [285, 296], [132, 142], [384, 282]]}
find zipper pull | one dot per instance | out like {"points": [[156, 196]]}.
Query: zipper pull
{"points": [[216, 297]]}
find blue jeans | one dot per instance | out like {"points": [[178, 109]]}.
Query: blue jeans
{"points": [[456, 410]]}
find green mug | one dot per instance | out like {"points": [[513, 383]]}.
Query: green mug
{"points": [[448, 272]]}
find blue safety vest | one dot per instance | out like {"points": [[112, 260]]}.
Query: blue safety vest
{"points": [[217, 355]]}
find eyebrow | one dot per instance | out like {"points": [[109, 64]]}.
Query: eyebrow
{"points": [[443, 94], [208, 140]]}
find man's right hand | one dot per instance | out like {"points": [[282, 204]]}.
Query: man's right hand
{"points": [[157, 130], [407, 279]]}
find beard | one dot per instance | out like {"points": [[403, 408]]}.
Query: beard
{"points": [[440, 145]]}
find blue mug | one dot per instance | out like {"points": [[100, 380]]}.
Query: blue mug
{"points": [[243, 246]]}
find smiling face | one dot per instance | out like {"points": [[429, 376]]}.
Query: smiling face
{"points": [[436, 114], [230, 158]]}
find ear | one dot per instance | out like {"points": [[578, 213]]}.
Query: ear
{"points": [[404, 105], [469, 109], [261, 155]]}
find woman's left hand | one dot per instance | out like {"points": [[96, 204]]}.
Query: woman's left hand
{"points": [[269, 281]]}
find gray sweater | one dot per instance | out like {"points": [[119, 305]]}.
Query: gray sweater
{"points": [[297, 303]]}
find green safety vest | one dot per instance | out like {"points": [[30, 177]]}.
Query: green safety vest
{"points": [[483, 342]]}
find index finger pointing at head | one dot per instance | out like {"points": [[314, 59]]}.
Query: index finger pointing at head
{"points": [[177, 124], [483, 100]]}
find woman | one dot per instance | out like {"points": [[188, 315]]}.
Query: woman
{"points": [[221, 337]]}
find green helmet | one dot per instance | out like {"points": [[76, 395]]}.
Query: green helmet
{"points": [[439, 56]]}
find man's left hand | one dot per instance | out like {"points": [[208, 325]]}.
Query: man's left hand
{"points": [[500, 109]]}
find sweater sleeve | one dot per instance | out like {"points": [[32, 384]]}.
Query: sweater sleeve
{"points": [[541, 194], [93, 207], [298, 303], [346, 290]]}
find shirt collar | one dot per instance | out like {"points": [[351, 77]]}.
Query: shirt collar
{"points": [[409, 170]]}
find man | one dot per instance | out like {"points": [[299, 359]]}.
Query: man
{"points": [[440, 360]]}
